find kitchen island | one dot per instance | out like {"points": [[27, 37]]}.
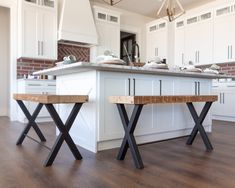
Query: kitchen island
{"points": [[99, 126]]}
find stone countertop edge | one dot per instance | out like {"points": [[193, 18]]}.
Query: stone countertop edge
{"points": [[84, 66]]}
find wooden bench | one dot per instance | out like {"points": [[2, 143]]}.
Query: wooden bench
{"points": [[48, 101], [139, 101]]}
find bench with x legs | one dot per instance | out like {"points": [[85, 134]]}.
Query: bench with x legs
{"points": [[139, 101], [49, 101]]}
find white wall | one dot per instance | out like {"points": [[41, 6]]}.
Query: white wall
{"points": [[4, 60], [12, 5], [133, 23]]}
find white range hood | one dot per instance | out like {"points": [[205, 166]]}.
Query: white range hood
{"points": [[76, 23]]}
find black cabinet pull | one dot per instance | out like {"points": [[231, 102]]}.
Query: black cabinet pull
{"points": [[134, 85], [160, 82], [195, 88], [129, 86], [223, 98], [198, 86]]}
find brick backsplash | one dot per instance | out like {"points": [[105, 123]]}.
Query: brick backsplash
{"points": [[28, 66], [226, 68], [81, 53]]}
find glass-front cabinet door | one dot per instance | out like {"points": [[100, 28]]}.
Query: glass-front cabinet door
{"points": [[48, 3], [31, 1]]}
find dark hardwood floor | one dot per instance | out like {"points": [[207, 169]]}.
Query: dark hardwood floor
{"points": [[168, 164]]}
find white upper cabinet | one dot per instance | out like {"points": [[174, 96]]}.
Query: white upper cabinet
{"points": [[207, 36], [199, 39], [108, 29], [179, 42], [38, 29], [157, 35], [224, 29]]}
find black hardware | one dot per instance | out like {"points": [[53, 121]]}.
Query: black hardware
{"points": [[31, 123], [64, 133], [198, 90], [129, 86], [129, 139], [63, 128], [223, 98], [130, 125], [160, 82], [134, 86], [198, 125]]}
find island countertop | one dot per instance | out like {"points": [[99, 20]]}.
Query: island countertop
{"points": [[84, 66]]}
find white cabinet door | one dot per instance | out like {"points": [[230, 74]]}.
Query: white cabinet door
{"points": [[229, 103], [163, 114], [110, 122], [36, 87], [151, 48], [223, 109], [29, 36], [160, 43], [224, 41], [48, 36], [38, 26], [180, 43], [157, 35], [144, 86], [197, 51], [182, 116], [217, 106]]}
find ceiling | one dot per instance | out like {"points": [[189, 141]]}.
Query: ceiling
{"points": [[150, 7]]}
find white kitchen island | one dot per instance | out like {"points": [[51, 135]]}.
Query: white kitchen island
{"points": [[98, 125]]}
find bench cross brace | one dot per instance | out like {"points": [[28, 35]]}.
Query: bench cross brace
{"points": [[198, 124], [31, 123], [64, 133], [129, 139], [63, 128]]}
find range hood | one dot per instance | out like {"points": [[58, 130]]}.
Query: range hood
{"points": [[76, 22]]}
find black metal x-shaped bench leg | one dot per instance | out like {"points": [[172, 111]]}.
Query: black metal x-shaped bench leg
{"points": [[31, 123], [64, 133], [129, 139], [198, 124]]}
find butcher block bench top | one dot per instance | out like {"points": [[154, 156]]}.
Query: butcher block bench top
{"points": [[51, 99], [162, 99]]}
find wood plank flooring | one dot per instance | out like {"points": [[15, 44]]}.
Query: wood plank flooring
{"points": [[168, 164]]}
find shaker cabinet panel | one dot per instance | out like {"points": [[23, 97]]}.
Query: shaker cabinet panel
{"points": [[49, 39], [224, 41], [199, 40], [29, 32], [35, 87], [223, 109], [143, 85], [111, 125], [37, 31], [179, 45], [163, 114], [157, 39]]}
